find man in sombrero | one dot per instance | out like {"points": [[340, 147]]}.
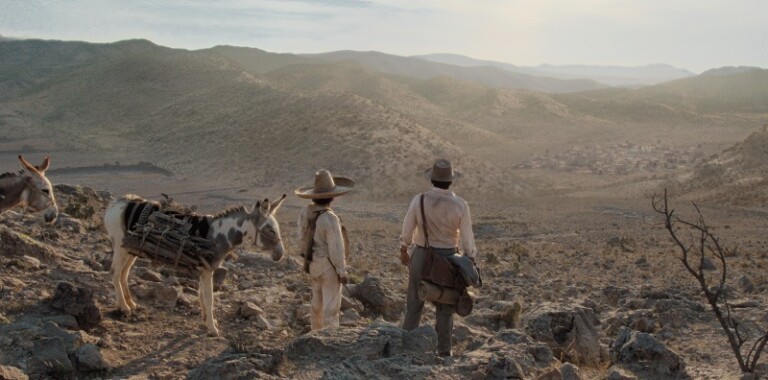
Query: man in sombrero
{"points": [[448, 226], [327, 268]]}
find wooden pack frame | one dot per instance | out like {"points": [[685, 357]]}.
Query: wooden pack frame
{"points": [[165, 239]]}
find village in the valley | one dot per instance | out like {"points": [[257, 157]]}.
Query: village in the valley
{"points": [[617, 159]]}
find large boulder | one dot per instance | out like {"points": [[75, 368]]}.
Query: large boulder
{"points": [[77, 302], [46, 350], [14, 244], [611, 295], [498, 316], [503, 366], [510, 354], [358, 352], [378, 298], [571, 331], [237, 367], [49, 357], [384, 351], [645, 355], [358, 367], [88, 358], [377, 341]]}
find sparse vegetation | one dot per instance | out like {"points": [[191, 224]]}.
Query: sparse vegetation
{"points": [[241, 343], [706, 259], [79, 209]]}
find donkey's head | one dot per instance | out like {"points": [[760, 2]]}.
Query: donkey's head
{"points": [[267, 229], [38, 195]]}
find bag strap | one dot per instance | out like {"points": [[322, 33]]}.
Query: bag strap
{"points": [[318, 213], [309, 235], [424, 222]]}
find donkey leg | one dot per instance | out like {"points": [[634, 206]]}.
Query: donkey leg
{"points": [[206, 287], [119, 260], [200, 299], [124, 281]]}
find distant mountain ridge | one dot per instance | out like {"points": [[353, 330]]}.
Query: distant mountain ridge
{"points": [[488, 76], [607, 75], [729, 70]]}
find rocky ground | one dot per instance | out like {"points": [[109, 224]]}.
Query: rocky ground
{"points": [[575, 288]]}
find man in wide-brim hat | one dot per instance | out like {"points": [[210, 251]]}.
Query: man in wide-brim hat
{"points": [[449, 227], [325, 248]]}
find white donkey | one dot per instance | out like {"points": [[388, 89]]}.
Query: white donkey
{"points": [[227, 230], [29, 189]]}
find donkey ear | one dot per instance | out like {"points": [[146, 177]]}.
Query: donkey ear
{"points": [[44, 166], [265, 207], [276, 205], [26, 165]]}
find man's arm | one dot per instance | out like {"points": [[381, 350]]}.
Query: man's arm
{"points": [[409, 224], [467, 236], [406, 235], [332, 230]]}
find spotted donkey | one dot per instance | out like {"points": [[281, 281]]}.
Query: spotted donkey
{"points": [[226, 229]]}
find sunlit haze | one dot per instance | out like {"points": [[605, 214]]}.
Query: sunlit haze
{"points": [[695, 35]]}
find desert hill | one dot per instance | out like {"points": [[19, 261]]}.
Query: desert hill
{"points": [[736, 177], [181, 110], [736, 100], [135, 101], [25, 63], [498, 119], [737, 92], [679, 101], [255, 60]]}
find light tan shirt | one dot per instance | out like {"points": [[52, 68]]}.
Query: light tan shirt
{"points": [[448, 221], [328, 241]]}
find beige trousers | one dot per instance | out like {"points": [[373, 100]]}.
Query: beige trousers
{"points": [[326, 294]]}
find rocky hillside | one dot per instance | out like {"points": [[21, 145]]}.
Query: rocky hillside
{"points": [[603, 304], [200, 114], [738, 176], [254, 118]]}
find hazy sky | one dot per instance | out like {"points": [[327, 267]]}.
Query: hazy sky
{"points": [[692, 34]]}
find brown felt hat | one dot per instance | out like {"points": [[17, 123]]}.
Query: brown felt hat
{"points": [[326, 186], [442, 171]]}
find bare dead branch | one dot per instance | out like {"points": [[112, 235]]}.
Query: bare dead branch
{"points": [[707, 244], [756, 350]]}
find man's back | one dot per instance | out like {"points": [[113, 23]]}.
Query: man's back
{"points": [[448, 221]]}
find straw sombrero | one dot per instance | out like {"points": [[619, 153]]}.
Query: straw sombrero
{"points": [[442, 171], [326, 186]]}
